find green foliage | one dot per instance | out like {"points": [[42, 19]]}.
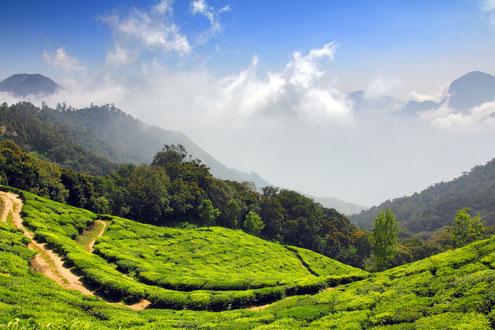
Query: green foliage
{"points": [[207, 212], [177, 190], [436, 206], [253, 223], [213, 268], [452, 290], [467, 228], [384, 239]]}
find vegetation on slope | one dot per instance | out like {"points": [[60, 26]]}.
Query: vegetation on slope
{"points": [[24, 123], [175, 189], [240, 270], [452, 290], [100, 134], [435, 207]]}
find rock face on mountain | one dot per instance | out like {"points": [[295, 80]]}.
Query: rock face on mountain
{"points": [[25, 84], [471, 90]]}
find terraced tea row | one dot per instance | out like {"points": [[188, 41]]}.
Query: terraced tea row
{"points": [[210, 258], [153, 267]]}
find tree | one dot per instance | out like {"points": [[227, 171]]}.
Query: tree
{"points": [[253, 223], [234, 210], [467, 228], [384, 239], [207, 212]]}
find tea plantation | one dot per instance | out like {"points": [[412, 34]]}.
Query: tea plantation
{"points": [[452, 290], [205, 268]]}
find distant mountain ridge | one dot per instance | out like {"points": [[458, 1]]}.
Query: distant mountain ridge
{"points": [[468, 91], [436, 206], [341, 206], [471, 90], [25, 84]]}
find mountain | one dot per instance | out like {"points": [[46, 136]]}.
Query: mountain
{"points": [[102, 135], [468, 91], [471, 90], [436, 206], [339, 205], [126, 139], [25, 84]]}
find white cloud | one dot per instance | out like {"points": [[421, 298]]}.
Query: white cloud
{"points": [[488, 5], [142, 30], [437, 96], [305, 70], [201, 7], [119, 55], [381, 86], [475, 120], [163, 7], [302, 89], [61, 59]]}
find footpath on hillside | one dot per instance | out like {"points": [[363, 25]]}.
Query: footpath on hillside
{"points": [[49, 262]]}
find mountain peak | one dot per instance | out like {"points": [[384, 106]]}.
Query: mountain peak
{"points": [[471, 90], [24, 84]]}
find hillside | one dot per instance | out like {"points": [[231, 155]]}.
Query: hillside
{"points": [[206, 268], [452, 290], [177, 191], [103, 132], [436, 206], [25, 124]]}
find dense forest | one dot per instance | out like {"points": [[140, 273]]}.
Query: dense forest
{"points": [[177, 190], [435, 207]]}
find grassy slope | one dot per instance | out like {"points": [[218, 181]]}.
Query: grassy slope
{"points": [[452, 290], [233, 269], [209, 258]]}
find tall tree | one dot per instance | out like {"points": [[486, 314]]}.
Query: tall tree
{"points": [[384, 239], [467, 228]]}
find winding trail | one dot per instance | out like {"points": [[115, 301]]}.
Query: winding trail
{"points": [[47, 261]]}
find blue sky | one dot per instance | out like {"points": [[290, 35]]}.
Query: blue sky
{"points": [[373, 36], [263, 85]]}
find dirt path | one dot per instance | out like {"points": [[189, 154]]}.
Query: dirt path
{"points": [[258, 308], [5, 212], [100, 233], [47, 261], [89, 236]]}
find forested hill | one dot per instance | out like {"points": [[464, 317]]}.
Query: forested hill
{"points": [[107, 132], [33, 129], [436, 206], [175, 190]]}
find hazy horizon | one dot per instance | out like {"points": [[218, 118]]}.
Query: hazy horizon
{"points": [[264, 88]]}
